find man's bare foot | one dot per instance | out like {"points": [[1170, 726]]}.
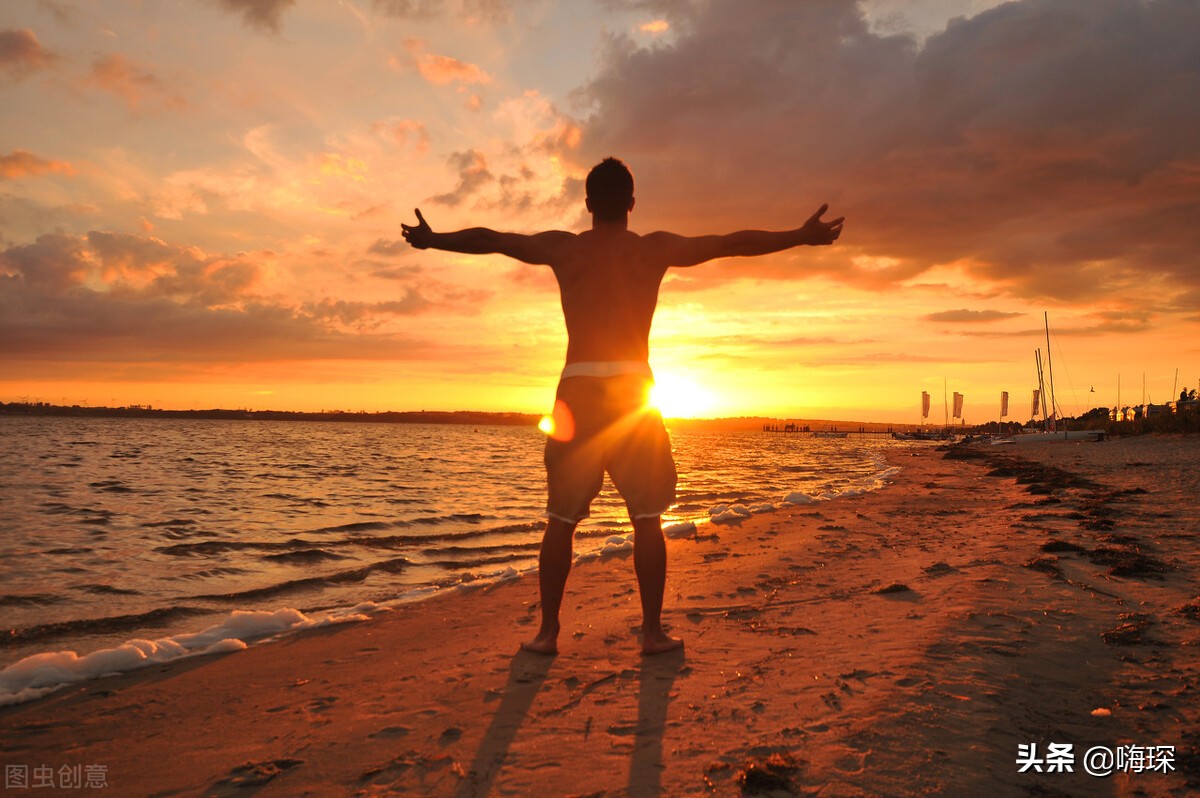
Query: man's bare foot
{"points": [[659, 643], [544, 643]]}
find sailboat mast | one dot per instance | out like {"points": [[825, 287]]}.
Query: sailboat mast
{"points": [[1037, 355], [1050, 365]]}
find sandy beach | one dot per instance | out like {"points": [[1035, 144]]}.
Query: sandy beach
{"points": [[911, 641]]}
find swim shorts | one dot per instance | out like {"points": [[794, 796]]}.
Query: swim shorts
{"points": [[604, 424]]}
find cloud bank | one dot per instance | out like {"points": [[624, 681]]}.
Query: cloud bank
{"points": [[1044, 146], [116, 297]]}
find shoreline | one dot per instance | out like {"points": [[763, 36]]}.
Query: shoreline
{"points": [[900, 642]]}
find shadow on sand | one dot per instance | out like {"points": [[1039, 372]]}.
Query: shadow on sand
{"points": [[656, 679], [527, 674]]}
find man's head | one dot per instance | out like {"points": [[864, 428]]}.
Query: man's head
{"points": [[610, 191]]}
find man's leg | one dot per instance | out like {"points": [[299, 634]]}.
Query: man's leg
{"points": [[554, 565], [650, 565]]}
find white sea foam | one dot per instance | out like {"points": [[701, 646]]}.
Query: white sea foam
{"points": [[683, 530], [40, 674], [617, 544], [728, 513]]}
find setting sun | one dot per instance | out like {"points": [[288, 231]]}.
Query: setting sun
{"points": [[676, 397]]}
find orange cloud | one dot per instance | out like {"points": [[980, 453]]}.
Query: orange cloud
{"points": [[20, 163], [442, 69], [137, 85], [21, 53]]}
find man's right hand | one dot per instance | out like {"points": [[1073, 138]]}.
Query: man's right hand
{"points": [[420, 235], [817, 233]]}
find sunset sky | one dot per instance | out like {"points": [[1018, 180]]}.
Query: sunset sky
{"points": [[200, 200]]}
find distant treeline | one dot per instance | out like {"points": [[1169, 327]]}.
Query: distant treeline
{"points": [[1184, 421], [391, 417], [477, 418]]}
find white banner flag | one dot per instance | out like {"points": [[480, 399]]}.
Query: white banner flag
{"points": [[924, 404], [1036, 394], [958, 404], [1003, 404]]}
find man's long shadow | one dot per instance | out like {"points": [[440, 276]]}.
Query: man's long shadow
{"points": [[657, 678], [526, 674]]}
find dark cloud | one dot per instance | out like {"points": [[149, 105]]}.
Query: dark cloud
{"points": [[363, 315], [265, 15], [21, 54], [965, 316], [389, 247], [397, 272], [86, 326], [473, 174], [52, 263], [1091, 325], [1043, 145]]}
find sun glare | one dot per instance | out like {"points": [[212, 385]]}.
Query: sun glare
{"points": [[679, 398]]}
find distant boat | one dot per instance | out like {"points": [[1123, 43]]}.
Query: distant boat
{"points": [[1060, 435], [1051, 414]]}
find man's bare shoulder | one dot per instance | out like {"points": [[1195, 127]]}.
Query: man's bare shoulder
{"points": [[551, 247]]}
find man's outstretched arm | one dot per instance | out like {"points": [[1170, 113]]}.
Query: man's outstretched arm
{"points": [[541, 248], [679, 250]]}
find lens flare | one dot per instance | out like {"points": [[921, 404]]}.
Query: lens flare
{"points": [[559, 425]]}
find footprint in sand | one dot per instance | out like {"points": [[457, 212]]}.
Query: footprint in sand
{"points": [[416, 770], [389, 733], [243, 779]]}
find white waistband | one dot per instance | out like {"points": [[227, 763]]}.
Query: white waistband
{"points": [[606, 368]]}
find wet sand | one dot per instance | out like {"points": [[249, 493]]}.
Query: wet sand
{"points": [[904, 642]]}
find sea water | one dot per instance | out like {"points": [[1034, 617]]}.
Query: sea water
{"points": [[119, 529]]}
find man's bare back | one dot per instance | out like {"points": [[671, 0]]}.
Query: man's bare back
{"points": [[608, 280]]}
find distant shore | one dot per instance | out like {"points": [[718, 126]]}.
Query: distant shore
{"points": [[388, 417], [465, 417]]}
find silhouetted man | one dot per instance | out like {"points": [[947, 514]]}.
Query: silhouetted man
{"points": [[608, 278]]}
